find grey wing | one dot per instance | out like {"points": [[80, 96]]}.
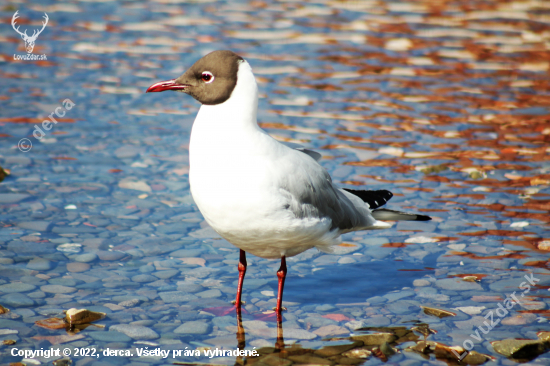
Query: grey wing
{"points": [[311, 193], [314, 154]]}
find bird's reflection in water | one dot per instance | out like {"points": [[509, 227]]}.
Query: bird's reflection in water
{"points": [[241, 337], [383, 343]]}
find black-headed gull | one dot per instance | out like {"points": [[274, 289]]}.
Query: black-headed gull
{"points": [[266, 198]]}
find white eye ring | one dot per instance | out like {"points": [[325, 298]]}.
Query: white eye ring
{"points": [[207, 77]]}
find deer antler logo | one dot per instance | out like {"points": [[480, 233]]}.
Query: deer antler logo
{"points": [[29, 41]]}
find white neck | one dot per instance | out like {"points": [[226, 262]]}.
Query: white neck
{"points": [[239, 111], [224, 131]]}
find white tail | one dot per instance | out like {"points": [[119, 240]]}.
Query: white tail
{"points": [[29, 41]]}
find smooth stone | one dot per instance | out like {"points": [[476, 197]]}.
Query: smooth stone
{"points": [[17, 300], [472, 310], [393, 296], [377, 321], [401, 306], [457, 284], [147, 268], [70, 282], [141, 298], [325, 307], [255, 283], [171, 228], [319, 321], [329, 351], [147, 322], [330, 330], [85, 257], [143, 228], [204, 233], [209, 294], [189, 287], [176, 297], [95, 243], [57, 289], [19, 160], [127, 151], [186, 253], [16, 324], [135, 185], [16, 287], [69, 248], [529, 304], [35, 225], [421, 283], [522, 319], [375, 339], [273, 359], [260, 329], [31, 238], [507, 285], [121, 317], [308, 359], [193, 327], [474, 321], [346, 260], [373, 241], [166, 274], [29, 248], [111, 336], [434, 296], [13, 197], [345, 248], [125, 285], [60, 240], [8, 331], [129, 303], [99, 309], [296, 333], [223, 321], [426, 290], [379, 252], [377, 300], [77, 267], [161, 285], [135, 331], [326, 259], [106, 255], [519, 348], [356, 324], [73, 229], [142, 278], [254, 324], [36, 295]]}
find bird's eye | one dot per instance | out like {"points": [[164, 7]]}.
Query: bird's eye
{"points": [[207, 77]]}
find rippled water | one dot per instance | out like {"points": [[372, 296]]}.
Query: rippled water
{"points": [[443, 103]]}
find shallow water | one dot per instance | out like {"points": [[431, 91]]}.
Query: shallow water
{"points": [[444, 104]]}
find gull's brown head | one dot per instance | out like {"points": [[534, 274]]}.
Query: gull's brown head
{"points": [[210, 80]]}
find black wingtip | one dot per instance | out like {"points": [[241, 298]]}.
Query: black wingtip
{"points": [[423, 218], [374, 199]]}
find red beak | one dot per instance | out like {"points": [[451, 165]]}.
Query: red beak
{"points": [[166, 85]]}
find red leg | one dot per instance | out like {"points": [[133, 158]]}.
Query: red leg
{"points": [[281, 274], [242, 271]]}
